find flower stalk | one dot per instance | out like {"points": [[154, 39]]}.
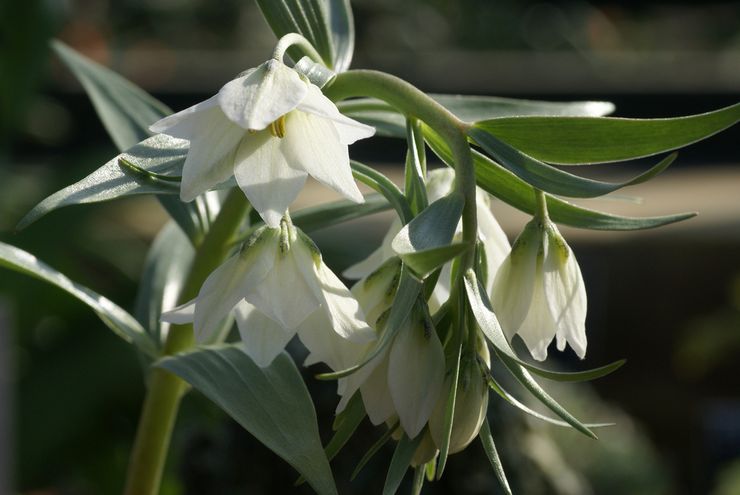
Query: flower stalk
{"points": [[162, 400]]}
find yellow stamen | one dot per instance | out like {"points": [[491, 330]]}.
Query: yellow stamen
{"points": [[277, 128]]}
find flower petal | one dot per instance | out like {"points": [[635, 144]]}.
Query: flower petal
{"points": [[341, 309], [312, 144], [263, 337], [495, 242], [566, 295], [260, 97], [228, 283], [180, 315], [538, 328], [285, 295], [365, 267], [375, 392], [264, 175], [513, 285], [210, 158], [185, 123], [349, 130], [415, 376]]}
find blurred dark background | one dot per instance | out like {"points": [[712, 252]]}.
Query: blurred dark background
{"points": [[667, 300]]}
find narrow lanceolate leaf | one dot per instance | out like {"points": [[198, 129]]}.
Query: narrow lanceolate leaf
{"points": [[409, 289], [496, 387], [425, 243], [489, 325], [316, 217], [415, 168], [523, 376], [514, 191], [342, 28], [308, 18], [580, 140], [550, 179], [383, 185], [167, 264], [400, 463], [125, 109], [160, 154], [498, 469], [388, 122], [374, 448], [449, 418], [271, 403], [122, 323]]}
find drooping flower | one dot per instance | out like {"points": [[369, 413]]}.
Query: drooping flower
{"points": [[269, 128], [277, 286], [539, 292], [495, 244]]}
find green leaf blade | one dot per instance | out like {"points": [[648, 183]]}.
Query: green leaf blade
{"points": [[271, 403], [400, 463], [118, 320], [486, 439], [160, 154], [582, 140], [512, 190], [125, 109]]}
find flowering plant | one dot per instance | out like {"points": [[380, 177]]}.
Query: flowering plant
{"points": [[413, 343]]}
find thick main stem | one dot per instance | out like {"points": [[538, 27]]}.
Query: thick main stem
{"points": [[415, 103], [165, 390]]}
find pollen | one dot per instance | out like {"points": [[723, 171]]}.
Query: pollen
{"points": [[277, 128]]}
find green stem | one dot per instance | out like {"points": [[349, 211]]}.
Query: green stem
{"points": [[165, 390], [416, 104], [541, 205], [291, 39]]}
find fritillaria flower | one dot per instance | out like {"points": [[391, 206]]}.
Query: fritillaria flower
{"points": [[539, 293], [277, 286], [269, 128]]}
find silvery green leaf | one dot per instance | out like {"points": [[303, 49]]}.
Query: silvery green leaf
{"points": [[550, 179], [159, 154], [308, 18], [512, 190], [383, 185], [400, 463], [271, 403], [125, 109], [490, 448], [583, 140], [342, 27], [119, 321], [389, 122], [165, 269], [425, 243]]}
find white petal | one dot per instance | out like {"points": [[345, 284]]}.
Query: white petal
{"points": [[180, 315], [495, 242], [210, 158], [441, 292], [566, 295], [338, 304], [375, 292], [264, 175], [513, 285], [228, 283], [285, 295], [375, 393], [185, 123], [260, 97], [538, 328], [312, 144], [349, 130], [439, 183], [263, 337], [415, 376]]}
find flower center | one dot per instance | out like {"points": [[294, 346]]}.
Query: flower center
{"points": [[277, 128]]}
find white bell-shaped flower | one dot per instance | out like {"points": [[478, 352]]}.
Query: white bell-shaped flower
{"points": [[269, 128], [471, 405], [277, 286], [539, 292], [439, 183]]}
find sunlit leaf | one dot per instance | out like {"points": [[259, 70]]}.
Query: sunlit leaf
{"points": [[579, 140], [271, 403], [122, 323]]}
